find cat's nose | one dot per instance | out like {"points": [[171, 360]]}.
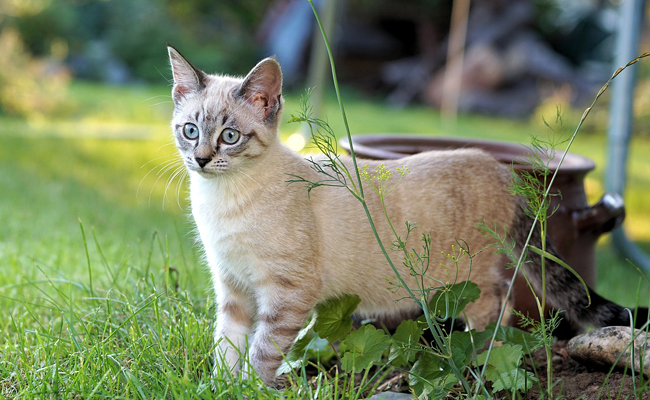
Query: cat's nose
{"points": [[202, 161]]}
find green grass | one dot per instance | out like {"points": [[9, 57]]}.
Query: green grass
{"points": [[125, 311]]}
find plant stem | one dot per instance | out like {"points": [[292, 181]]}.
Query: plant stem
{"points": [[338, 95], [542, 212], [360, 196], [450, 360], [90, 271]]}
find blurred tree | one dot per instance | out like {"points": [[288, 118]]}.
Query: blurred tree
{"points": [[29, 87], [137, 31], [40, 29], [117, 39], [220, 37]]}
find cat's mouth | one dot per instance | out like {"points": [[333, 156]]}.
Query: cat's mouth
{"points": [[209, 171]]}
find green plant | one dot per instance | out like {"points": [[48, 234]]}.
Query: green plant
{"points": [[531, 186], [430, 369]]}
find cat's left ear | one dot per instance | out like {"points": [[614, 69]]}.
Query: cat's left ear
{"points": [[187, 78], [262, 88]]}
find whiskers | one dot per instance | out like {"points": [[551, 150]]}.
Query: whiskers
{"points": [[172, 169], [167, 174], [180, 173], [166, 99]]}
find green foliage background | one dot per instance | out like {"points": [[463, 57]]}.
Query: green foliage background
{"points": [[219, 38]]}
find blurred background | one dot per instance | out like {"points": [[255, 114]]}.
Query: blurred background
{"points": [[516, 53], [85, 105]]}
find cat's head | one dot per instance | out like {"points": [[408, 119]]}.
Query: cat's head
{"points": [[222, 123]]}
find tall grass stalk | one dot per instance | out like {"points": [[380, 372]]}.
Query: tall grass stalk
{"points": [[357, 191], [90, 271]]}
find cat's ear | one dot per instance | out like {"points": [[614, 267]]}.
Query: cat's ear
{"points": [[187, 78], [262, 88]]}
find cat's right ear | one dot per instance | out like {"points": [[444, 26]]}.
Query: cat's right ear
{"points": [[187, 78], [262, 89]]}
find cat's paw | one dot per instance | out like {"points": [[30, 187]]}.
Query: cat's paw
{"points": [[271, 381], [226, 363]]}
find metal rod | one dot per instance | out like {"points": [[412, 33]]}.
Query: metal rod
{"points": [[619, 131]]}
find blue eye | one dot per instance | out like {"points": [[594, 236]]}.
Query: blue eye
{"points": [[230, 136], [190, 131]]}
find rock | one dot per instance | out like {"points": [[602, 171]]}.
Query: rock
{"points": [[602, 347], [392, 396]]}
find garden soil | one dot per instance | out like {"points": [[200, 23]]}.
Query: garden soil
{"points": [[575, 381]]}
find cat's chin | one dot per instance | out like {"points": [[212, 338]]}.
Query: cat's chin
{"points": [[209, 174]]}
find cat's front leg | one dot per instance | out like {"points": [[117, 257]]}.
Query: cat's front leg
{"points": [[234, 321], [281, 315]]}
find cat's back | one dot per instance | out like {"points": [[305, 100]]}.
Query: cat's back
{"points": [[450, 188], [445, 194], [458, 167]]}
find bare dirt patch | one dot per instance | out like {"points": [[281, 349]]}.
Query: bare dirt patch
{"points": [[575, 381]]}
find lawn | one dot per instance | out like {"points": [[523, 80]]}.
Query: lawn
{"points": [[103, 291]]}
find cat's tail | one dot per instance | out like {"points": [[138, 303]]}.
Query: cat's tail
{"points": [[564, 290]]}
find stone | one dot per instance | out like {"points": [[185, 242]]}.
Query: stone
{"points": [[602, 347], [392, 396]]}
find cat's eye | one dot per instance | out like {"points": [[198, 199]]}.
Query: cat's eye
{"points": [[230, 136], [191, 131]]}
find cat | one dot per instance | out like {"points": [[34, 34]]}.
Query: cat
{"points": [[275, 252]]}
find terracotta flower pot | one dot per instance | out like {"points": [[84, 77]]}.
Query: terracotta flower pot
{"points": [[575, 226]]}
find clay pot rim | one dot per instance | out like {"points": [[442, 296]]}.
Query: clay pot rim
{"points": [[394, 146]]}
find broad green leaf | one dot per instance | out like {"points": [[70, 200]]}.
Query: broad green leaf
{"points": [[299, 348], [503, 359], [405, 343], [363, 347], [512, 335], [333, 320], [450, 301], [465, 345], [308, 346], [311, 347], [554, 258], [430, 377], [307, 328], [319, 350], [515, 380]]}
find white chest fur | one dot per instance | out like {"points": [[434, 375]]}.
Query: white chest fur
{"points": [[225, 219]]}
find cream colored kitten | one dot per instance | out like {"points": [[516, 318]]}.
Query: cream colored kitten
{"points": [[275, 253]]}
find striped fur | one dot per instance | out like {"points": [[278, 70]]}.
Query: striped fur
{"points": [[276, 252]]}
